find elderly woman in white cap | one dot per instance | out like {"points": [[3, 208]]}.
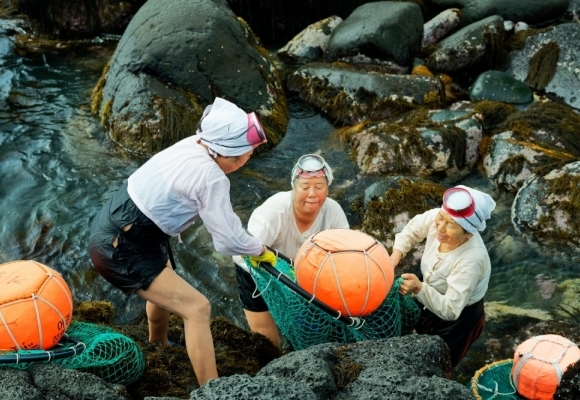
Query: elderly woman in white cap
{"points": [[284, 221], [455, 267], [129, 237]]}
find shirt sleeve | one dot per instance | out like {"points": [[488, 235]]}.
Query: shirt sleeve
{"points": [[415, 231], [225, 227], [338, 217], [461, 282]]}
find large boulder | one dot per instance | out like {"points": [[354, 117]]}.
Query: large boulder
{"points": [[546, 208], [442, 142], [384, 30], [549, 61], [530, 11], [311, 43], [172, 61], [472, 45], [350, 96]]}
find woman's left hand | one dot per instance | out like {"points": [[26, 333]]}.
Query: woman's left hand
{"points": [[411, 284]]}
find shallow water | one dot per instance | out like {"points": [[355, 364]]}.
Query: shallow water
{"points": [[56, 170]]}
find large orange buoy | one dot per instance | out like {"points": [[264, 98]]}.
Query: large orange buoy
{"points": [[35, 306], [539, 363], [348, 270]]}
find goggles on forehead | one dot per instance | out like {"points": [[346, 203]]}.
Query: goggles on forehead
{"points": [[458, 203], [311, 166], [255, 134]]}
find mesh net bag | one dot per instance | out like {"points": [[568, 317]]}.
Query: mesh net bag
{"points": [[304, 324], [494, 382], [107, 354]]}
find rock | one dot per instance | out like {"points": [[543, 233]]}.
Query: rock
{"points": [[499, 86], [173, 60], [569, 305], [556, 70], [385, 29], [530, 141], [468, 46], [441, 26], [313, 366], [311, 43], [546, 286], [546, 209], [532, 11], [418, 144], [57, 382], [237, 387], [17, 384], [495, 310], [350, 96]]}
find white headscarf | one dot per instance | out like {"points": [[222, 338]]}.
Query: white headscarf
{"points": [[223, 128], [484, 205]]}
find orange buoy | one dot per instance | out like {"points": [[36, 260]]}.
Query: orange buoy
{"points": [[35, 306], [539, 363], [348, 270]]}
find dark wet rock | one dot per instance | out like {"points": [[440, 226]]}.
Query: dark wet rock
{"points": [[17, 384], [389, 369], [441, 26], [550, 60], [311, 43], [573, 11], [45, 381], [313, 366], [470, 46], [259, 388], [402, 367], [546, 209], [499, 86], [532, 11], [71, 19], [531, 142], [350, 96], [386, 30], [418, 144], [173, 60]]}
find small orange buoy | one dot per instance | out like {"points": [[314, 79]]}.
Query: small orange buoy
{"points": [[35, 306], [539, 363], [348, 270]]}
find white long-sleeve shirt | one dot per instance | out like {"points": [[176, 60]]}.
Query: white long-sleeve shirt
{"points": [[183, 182], [451, 280], [275, 224]]}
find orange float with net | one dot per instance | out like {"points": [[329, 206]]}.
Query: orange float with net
{"points": [[348, 270], [35, 306], [539, 364]]}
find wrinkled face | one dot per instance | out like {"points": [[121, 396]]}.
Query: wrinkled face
{"points": [[449, 231], [309, 194], [233, 163]]}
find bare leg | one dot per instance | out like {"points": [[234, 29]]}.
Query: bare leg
{"points": [[158, 321], [262, 322], [172, 293]]}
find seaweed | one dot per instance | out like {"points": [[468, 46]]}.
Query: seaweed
{"points": [[543, 65]]}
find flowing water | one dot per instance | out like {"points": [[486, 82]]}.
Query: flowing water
{"points": [[57, 169]]}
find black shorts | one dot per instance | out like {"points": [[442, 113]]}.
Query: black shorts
{"points": [[248, 292], [460, 334], [141, 252]]}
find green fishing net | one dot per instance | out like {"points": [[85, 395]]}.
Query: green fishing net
{"points": [[494, 382], [304, 324], [108, 354]]}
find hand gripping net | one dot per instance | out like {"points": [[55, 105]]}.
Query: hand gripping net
{"points": [[304, 323]]}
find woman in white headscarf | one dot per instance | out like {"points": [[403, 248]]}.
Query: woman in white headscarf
{"points": [[284, 222], [455, 267], [129, 237]]}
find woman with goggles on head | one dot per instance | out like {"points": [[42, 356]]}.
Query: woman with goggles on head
{"points": [[129, 237], [455, 267], [284, 222]]}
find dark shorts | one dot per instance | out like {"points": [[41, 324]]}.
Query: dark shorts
{"points": [[460, 334], [141, 252], [248, 292]]}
